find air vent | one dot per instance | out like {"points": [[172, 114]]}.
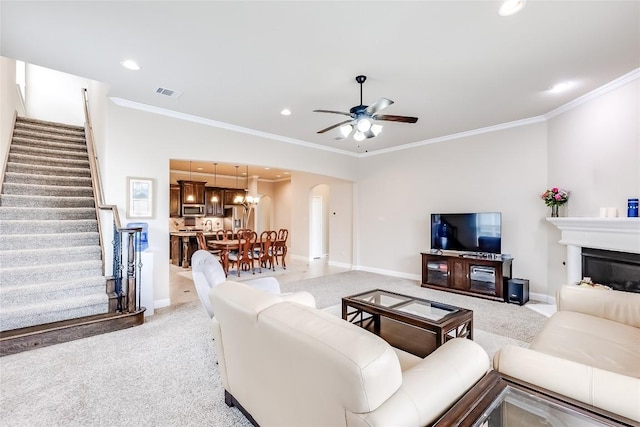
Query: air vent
{"points": [[168, 92]]}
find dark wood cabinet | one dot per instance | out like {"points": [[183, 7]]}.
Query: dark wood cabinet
{"points": [[192, 189], [230, 195], [213, 201], [174, 201], [483, 277], [176, 250]]}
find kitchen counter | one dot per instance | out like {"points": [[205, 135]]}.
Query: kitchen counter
{"points": [[191, 233]]}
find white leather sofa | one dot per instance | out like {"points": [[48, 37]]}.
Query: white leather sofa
{"points": [[589, 350], [289, 364]]}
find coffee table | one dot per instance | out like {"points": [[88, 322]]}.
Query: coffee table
{"points": [[501, 401], [415, 325]]}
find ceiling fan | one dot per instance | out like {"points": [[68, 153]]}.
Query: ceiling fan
{"points": [[362, 117]]}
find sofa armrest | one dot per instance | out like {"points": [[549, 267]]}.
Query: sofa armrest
{"points": [[608, 390], [618, 306], [430, 387], [301, 297]]}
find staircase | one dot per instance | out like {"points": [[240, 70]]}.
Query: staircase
{"points": [[50, 256]]}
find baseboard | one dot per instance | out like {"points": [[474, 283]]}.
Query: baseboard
{"points": [[340, 264], [159, 303], [393, 273], [543, 298]]}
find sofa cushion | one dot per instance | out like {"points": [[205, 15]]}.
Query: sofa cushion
{"points": [[360, 369], [592, 341]]}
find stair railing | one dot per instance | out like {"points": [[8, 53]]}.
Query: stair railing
{"points": [[125, 241]]}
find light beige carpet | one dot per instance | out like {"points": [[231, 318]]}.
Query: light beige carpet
{"points": [[164, 372]]}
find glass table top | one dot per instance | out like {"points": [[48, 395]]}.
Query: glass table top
{"points": [[514, 407], [417, 307]]}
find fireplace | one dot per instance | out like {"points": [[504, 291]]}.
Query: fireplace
{"points": [[603, 239], [618, 270]]}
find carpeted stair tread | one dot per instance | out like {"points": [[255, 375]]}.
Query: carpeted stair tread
{"points": [[27, 159], [15, 226], [48, 132], [46, 190], [53, 311], [47, 152], [48, 170], [33, 214], [45, 256], [13, 276], [61, 181], [48, 144], [11, 296], [22, 120], [30, 241], [13, 200]]}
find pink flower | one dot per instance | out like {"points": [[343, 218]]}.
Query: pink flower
{"points": [[558, 197], [554, 190]]}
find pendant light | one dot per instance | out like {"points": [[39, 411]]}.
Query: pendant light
{"points": [[214, 198], [190, 197], [238, 199]]}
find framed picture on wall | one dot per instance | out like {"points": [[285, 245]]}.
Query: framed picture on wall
{"points": [[139, 197]]}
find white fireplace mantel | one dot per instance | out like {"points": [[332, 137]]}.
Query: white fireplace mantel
{"points": [[613, 234]]}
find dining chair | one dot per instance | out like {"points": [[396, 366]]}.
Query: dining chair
{"points": [[221, 235], [264, 251], [244, 257], [280, 247]]}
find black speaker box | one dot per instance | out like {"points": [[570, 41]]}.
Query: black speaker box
{"points": [[518, 291]]}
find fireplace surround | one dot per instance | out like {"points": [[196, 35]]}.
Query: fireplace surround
{"points": [[621, 235]]}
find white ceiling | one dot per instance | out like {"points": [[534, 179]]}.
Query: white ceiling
{"points": [[456, 65]]}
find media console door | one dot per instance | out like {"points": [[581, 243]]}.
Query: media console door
{"points": [[480, 277]]}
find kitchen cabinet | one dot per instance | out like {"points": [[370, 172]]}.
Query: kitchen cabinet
{"points": [[231, 193], [192, 188], [213, 202], [477, 276], [174, 200]]}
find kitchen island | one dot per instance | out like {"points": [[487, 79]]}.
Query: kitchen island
{"points": [[183, 244]]}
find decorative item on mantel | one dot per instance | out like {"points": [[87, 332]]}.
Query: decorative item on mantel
{"points": [[554, 198], [632, 208]]}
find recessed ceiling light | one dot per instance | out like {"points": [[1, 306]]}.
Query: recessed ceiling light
{"points": [[267, 168], [560, 87], [285, 112], [286, 173], [199, 169], [511, 7], [130, 64]]}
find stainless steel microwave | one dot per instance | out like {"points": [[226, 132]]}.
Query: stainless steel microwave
{"points": [[192, 210]]}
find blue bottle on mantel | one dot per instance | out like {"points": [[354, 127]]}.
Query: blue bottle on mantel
{"points": [[632, 208]]}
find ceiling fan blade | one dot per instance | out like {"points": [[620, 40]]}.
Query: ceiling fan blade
{"points": [[332, 111], [334, 126], [402, 119], [378, 105]]}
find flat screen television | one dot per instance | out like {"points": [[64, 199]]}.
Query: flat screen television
{"points": [[468, 232]]}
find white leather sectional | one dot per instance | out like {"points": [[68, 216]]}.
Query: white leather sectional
{"points": [[589, 350], [289, 364]]}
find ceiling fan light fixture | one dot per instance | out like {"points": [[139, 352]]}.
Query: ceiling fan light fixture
{"points": [[345, 130], [511, 7], [358, 136], [376, 129], [364, 125]]}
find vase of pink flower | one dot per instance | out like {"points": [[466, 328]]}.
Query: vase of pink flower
{"points": [[554, 198]]}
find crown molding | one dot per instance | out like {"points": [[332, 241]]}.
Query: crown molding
{"points": [[222, 125], [596, 93]]}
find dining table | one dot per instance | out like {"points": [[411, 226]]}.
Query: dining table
{"points": [[225, 246]]}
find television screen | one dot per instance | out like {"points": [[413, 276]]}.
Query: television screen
{"points": [[470, 232]]}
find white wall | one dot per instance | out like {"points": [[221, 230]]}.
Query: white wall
{"points": [[140, 144], [594, 151], [501, 171], [55, 96]]}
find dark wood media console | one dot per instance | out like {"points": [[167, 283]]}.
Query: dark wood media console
{"points": [[484, 277]]}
